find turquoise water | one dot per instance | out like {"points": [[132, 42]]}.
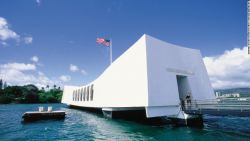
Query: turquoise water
{"points": [[81, 125]]}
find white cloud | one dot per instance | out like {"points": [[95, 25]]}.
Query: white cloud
{"points": [[8, 34], [28, 40], [65, 78], [20, 74], [84, 72], [18, 66], [3, 43], [18, 77], [40, 73], [23, 74], [73, 68], [38, 2], [230, 69], [34, 59], [5, 32]]}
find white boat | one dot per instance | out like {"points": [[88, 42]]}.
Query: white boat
{"points": [[151, 77]]}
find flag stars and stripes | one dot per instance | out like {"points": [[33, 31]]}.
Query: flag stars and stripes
{"points": [[103, 41]]}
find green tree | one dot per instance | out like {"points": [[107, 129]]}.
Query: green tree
{"points": [[51, 96], [5, 99], [1, 92], [1, 84], [31, 88], [16, 91], [42, 89], [29, 94], [54, 86], [32, 98]]}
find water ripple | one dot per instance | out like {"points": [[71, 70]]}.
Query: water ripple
{"points": [[81, 125]]}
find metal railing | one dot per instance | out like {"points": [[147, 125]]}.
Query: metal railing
{"points": [[217, 104]]}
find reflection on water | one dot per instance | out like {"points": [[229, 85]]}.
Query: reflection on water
{"points": [[81, 125]]}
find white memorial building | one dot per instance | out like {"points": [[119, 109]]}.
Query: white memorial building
{"points": [[152, 75]]}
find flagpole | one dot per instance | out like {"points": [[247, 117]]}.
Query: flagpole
{"points": [[111, 43]]}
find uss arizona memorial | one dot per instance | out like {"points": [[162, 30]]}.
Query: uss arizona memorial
{"points": [[151, 76]]}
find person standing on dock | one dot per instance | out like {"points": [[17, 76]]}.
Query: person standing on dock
{"points": [[188, 101]]}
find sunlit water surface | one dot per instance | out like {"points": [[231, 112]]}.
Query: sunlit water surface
{"points": [[81, 125]]}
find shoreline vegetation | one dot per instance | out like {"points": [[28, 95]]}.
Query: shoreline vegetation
{"points": [[30, 94]]}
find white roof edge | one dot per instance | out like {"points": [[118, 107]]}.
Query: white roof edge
{"points": [[145, 38], [178, 46]]}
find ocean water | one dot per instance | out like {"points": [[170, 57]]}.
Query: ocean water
{"points": [[81, 125]]}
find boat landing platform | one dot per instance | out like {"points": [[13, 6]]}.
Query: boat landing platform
{"points": [[36, 115]]}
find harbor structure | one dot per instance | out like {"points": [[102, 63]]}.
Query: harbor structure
{"points": [[226, 95], [152, 76], [43, 115]]}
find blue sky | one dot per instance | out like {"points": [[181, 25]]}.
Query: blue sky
{"points": [[61, 34]]}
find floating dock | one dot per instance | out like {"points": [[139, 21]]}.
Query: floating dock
{"points": [[36, 115]]}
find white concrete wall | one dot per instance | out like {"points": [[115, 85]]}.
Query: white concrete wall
{"points": [[165, 61], [67, 94], [145, 76], [124, 83]]}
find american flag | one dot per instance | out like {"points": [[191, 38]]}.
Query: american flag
{"points": [[103, 41]]}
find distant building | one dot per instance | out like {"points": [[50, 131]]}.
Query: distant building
{"points": [[226, 95]]}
